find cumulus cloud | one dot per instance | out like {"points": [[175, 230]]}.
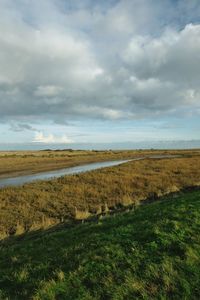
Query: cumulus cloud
{"points": [[109, 60], [173, 56], [40, 137]]}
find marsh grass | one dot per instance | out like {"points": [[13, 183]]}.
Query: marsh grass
{"points": [[45, 203], [28, 162], [15, 163]]}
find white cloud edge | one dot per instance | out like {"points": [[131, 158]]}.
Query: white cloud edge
{"points": [[50, 138]]}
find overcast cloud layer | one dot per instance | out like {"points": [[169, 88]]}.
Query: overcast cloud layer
{"points": [[66, 61]]}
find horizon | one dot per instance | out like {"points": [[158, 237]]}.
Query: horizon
{"points": [[128, 145]]}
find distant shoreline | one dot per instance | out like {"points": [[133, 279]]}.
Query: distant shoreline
{"points": [[143, 145]]}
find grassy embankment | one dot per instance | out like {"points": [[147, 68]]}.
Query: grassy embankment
{"points": [[150, 253], [46, 203]]}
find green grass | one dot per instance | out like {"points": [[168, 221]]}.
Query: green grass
{"points": [[152, 253]]}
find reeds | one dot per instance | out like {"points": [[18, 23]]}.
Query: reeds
{"points": [[45, 203]]}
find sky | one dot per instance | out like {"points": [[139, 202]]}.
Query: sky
{"points": [[86, 71]]}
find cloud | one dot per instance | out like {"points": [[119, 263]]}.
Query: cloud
{"points": [[104, 60], [48, 91], [21, 127], [173, 56], [50, 138]]}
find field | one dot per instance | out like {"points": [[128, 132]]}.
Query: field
{"points": [[150, 253], [130, 231], [28, 162], [15, 163], [67, 199]]}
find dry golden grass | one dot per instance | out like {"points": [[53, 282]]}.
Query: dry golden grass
{"points": [[27, 162], [44, 203]]}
